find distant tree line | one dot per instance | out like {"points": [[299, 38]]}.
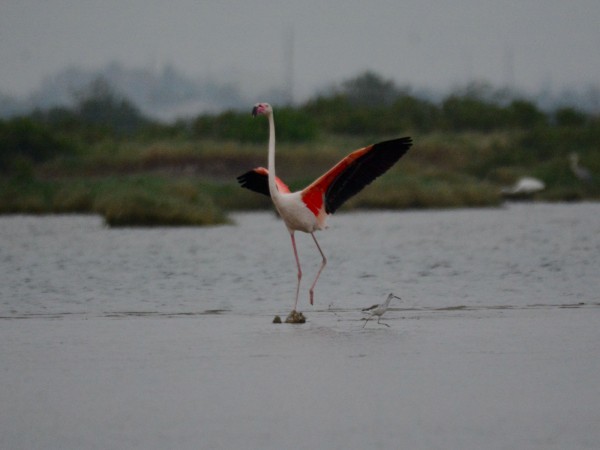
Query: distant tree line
{"points": [[372, 105], [99, 114], [365, 105]]}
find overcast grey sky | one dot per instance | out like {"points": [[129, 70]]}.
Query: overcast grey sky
{"points": [[427, 44]]}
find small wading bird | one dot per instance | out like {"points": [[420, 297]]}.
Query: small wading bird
{"points": [[308, 209], [379, 310], [580, 172]]}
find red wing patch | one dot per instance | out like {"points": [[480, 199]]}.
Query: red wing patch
{"points": [[282, 186], [314, 195], [313, 199], [354, 172]]}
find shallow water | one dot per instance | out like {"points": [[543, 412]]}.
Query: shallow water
{"points": [[162, 338], [516, 256]]}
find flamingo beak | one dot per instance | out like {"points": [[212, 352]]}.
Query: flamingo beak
{"points": [[254, 111]]}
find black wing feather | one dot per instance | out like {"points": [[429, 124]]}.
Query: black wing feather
{"points": [[255, 181], [364, 170]]}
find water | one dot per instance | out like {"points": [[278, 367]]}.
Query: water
{"points": [[521, 255], [162, 338]]}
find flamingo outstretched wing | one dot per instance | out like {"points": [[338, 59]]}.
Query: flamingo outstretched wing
{"points": [[257, 180], [326, 194], [348, 177]]}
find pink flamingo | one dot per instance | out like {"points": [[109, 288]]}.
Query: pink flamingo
{"points": [[308, 209]]}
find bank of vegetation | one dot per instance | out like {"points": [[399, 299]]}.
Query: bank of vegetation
{"points": [[103, 156]]}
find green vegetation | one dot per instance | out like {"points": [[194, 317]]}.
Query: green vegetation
{"points": [[123, 201], [102, 156], [24, 141]]}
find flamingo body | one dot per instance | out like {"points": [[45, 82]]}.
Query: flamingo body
{"points": [[307, 210], [297, 214], [326, 194]]}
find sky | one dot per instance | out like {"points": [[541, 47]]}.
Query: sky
{"points": [[309, 44]]}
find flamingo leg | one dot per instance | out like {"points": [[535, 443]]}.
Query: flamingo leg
{"points": [[299, 269], [323, 263]]}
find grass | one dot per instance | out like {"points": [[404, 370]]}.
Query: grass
{"points": [[185, 182], [140, 200]]}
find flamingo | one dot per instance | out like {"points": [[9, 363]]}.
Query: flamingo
{"points": [[307, 210]]}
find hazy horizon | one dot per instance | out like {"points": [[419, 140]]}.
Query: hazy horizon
{"points": [[259, 45]]}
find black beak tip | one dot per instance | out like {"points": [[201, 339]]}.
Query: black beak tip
{"points": [[254, 111]]}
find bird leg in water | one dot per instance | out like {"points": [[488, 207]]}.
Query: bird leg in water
{"points": [[379, 310], [299, 269], [378, 320], [323, 263], [366, 320], [380, 323]]}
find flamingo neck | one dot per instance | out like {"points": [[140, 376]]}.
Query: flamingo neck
{"points": [[271, 163]]}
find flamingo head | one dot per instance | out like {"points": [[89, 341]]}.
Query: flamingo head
{"points": [[262, 109]]}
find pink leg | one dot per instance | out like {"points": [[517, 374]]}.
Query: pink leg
{"points": [[299, 269], [323, 263]]}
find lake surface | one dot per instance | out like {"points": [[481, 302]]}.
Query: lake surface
{"points": [[517, 256], [162, 338]]}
